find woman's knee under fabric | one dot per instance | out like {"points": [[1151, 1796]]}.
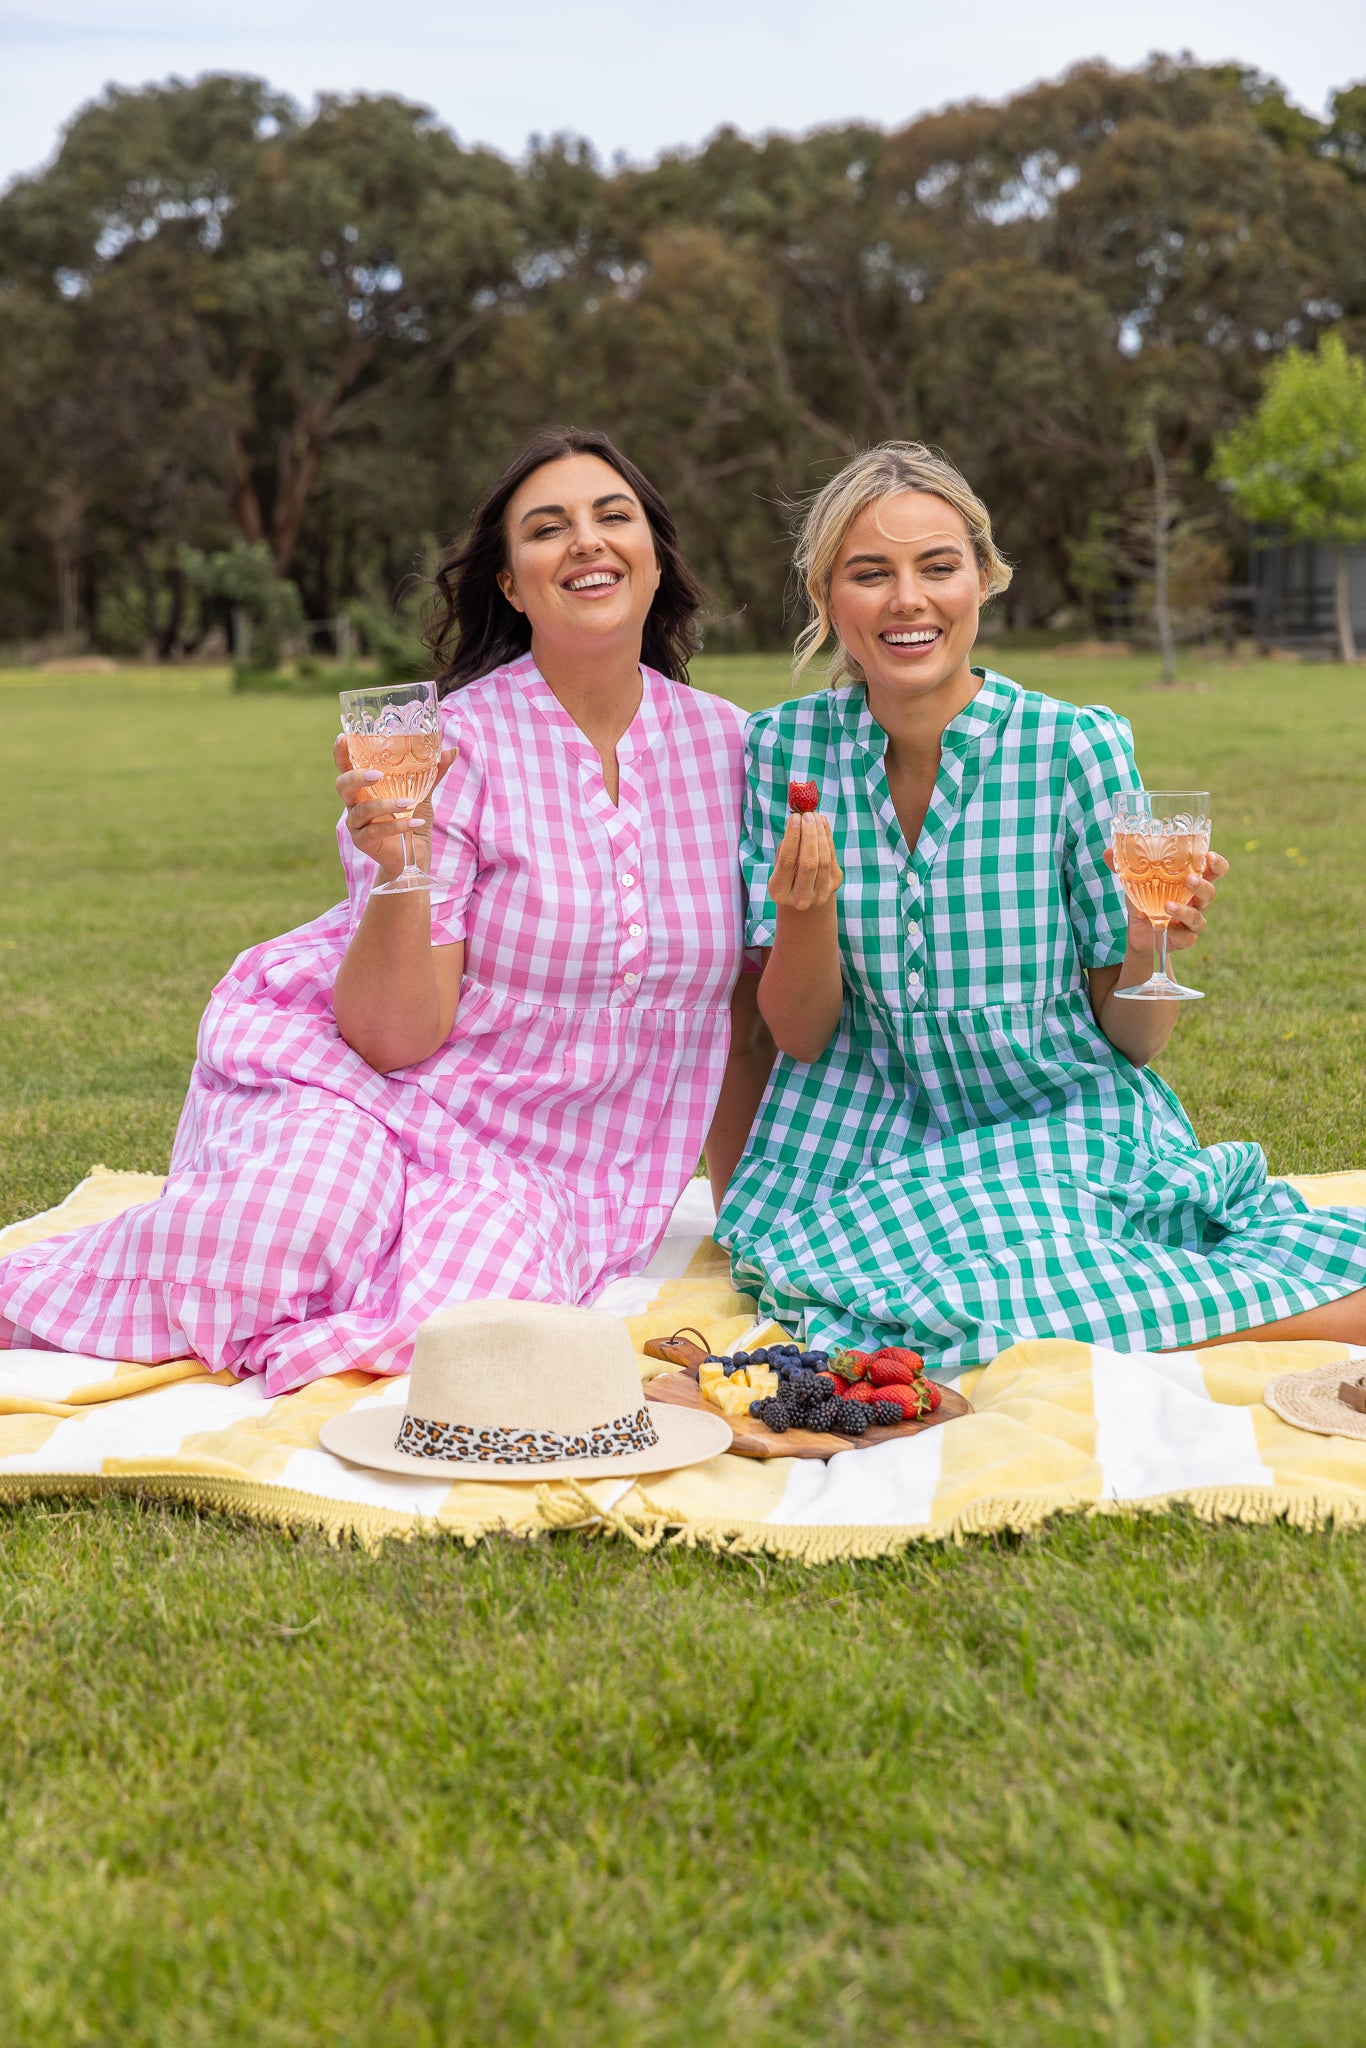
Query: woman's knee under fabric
{"points": [[291, 1203], [280, 1210]]}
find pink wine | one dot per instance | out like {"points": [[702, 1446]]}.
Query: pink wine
{"points": [[1155, 869], [409, 760]]}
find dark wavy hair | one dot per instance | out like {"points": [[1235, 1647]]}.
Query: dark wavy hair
{"points": [[470, 628]]}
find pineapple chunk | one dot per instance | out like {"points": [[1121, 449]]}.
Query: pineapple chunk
{"points": [[731, 1397]]}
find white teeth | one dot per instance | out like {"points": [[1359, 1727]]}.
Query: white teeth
{"points": [[921, 639], [592, 582]]}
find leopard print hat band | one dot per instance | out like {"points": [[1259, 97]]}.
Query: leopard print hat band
{"points": [[421, 1438]]}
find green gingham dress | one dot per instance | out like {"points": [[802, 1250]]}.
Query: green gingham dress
{"points": [[971, 1162]]}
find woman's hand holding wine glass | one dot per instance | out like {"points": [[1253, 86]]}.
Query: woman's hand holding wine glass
{"points": [[1185, 921], [375, 827]]}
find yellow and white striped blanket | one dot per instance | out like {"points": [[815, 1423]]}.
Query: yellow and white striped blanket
{"points": [[1058, 1426]]}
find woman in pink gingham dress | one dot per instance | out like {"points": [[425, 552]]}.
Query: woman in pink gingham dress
{"points": [[329, 1189]]}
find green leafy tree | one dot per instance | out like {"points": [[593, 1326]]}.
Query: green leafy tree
{"points": [[221, 317], [1298, 463], [243, 576]]}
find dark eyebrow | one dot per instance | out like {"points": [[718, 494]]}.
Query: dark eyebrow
{"points": [[610, 498]]}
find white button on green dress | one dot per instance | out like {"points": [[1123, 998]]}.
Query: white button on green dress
{"points": [[971, 1161]]}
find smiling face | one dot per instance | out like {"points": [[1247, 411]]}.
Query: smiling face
{"points": [[905, 594], [581, 556]]}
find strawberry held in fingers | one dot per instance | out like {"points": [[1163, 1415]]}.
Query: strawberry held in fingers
{"points": [[802, 797]]}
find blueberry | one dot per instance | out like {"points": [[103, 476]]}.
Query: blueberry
{"points": [[759, 1357]]}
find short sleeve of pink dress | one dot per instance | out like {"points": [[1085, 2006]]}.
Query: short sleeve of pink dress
{"points": [[317, 1211]]}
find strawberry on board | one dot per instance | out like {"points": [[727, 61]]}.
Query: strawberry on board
{"points": [[913, 1401], [850, 1365], [802, 796], [894, 1365]]}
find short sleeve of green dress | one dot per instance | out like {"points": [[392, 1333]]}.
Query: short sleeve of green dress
{"points": [[971, 1162]]}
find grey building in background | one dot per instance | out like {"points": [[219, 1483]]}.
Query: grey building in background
{"points": [[1291, 593]]}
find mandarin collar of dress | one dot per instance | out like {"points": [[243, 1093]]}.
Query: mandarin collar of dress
{"points": [[992, 704]]}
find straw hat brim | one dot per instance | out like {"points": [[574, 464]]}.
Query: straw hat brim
{"points": [[1310, 1401], [365, 1436]]}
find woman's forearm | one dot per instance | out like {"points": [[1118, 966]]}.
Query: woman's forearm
{"points": [[800, 989], [390, 1002], [1139, 1030]]}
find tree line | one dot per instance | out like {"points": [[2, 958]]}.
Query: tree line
{"points": [[235, 333]]}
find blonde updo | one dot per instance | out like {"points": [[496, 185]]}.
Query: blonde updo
{"points": [[878, 473]]}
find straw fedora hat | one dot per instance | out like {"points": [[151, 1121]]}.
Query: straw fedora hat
{"points": [[518, 1390], [1330, 1399]]}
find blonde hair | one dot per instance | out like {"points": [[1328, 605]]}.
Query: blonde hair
{"points": [[878, 473]]}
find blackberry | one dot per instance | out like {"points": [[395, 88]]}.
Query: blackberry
{"points": [[775, 1413], [853, 1419], [884, 1413], [825, 1415]]}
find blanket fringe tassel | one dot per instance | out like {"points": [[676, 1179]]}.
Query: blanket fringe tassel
{"points": [[645, 1524]]}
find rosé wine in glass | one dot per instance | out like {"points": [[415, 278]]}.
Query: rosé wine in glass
{"points": [[1160, 838], [1156, 871], [408, 760], [397, 729]]}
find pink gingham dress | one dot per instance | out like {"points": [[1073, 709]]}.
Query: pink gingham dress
{"points": [[317, 1211]]}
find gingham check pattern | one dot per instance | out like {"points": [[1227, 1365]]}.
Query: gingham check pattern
{"points": [[316, 1211], [971, 1162]]}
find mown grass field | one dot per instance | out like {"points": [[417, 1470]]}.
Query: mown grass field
{"points": [[1108, 1786]]}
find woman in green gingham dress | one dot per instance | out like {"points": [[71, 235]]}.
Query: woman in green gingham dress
{"points": [[961, 1144]]}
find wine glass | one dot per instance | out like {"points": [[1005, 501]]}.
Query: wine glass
{"points": [[1160, 838], [397, 728]]}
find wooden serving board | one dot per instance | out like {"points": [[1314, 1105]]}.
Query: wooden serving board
{"points": [[754, 1439]]}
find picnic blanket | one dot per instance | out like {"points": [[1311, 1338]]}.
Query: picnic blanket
{"points": [[1059, 1426]]}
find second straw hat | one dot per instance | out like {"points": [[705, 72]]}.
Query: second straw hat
{"points": [[1313, 1400], [519, 1390]]}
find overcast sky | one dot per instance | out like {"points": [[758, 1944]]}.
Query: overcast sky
{"points": [[639, 75]]}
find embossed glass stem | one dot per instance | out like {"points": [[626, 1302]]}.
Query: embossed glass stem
{"points": [[1160, 838]]}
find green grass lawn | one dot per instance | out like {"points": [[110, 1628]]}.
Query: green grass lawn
{"points": [[1107, 1786]]}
